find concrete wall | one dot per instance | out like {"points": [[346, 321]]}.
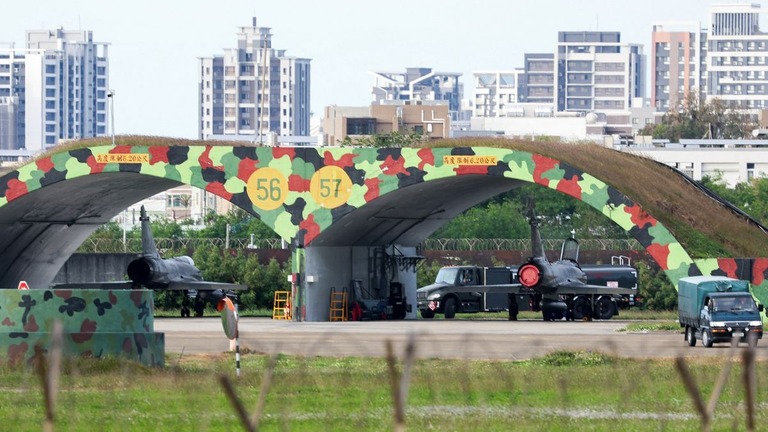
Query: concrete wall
{"points": [[92, 267], [326, 268], [336, 267]]}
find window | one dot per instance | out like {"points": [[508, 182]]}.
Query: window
{"points": [[361, 126]]}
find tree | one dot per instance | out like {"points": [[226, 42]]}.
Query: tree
{"points": [[391, 139], [656, 292], [494, 220], [697, 119], [751, 197], [241, 223]]}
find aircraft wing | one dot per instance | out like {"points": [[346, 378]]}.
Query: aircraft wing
{"points": [[578, 288], [94, 285], [501, 288], [205, 285], [190, 285]]}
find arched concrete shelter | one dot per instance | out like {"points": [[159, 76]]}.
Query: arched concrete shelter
{"points": [[338, 207]]}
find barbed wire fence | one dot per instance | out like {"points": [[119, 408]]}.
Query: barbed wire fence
{"points": [[133, 245]]}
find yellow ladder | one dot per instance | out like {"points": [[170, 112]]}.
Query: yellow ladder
{"points": [[281, 309], [338, 310]]}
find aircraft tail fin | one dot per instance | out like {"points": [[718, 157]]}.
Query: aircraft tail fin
{"points": [[537, 249], [149, 249]]}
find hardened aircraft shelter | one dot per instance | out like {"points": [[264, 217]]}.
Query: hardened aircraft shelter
{"points": [[349, 214]]}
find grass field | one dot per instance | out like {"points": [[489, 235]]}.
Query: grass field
{"points": [[564, 391]]}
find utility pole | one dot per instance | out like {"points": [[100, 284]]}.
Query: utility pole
{"points": [[111, 96]]}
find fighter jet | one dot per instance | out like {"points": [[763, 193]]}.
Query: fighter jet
{"points": [[551, 280], [178, 273], [560, 289]]}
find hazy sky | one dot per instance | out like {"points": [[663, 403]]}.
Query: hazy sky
{"points": [[155, 45]]}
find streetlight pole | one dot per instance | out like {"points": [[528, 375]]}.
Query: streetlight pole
{"points": [[111, 96]]}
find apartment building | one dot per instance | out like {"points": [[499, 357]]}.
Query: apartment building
{"points": [[727, 61], [419, 84], [53, 90], [589, 72], [597, 72], [497, 93], [591, 85], [429, 118], [538, 86], [254, 90], [678, 63], [738, 56]]}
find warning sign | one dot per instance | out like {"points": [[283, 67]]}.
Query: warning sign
{"points": [[23, 285]]}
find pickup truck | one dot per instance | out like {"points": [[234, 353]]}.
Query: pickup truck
{"points": [[718, 309]]}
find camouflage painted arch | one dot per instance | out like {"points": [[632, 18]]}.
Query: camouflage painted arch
{"points": [[301, 191]]}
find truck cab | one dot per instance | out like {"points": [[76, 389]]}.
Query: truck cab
{"points": [[718, 309], [725, 316], [449, 293]]}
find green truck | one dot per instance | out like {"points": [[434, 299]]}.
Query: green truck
{"points": [[718, 309]]}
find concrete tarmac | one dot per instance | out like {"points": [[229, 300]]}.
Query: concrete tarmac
{"points": [[444, 339]]}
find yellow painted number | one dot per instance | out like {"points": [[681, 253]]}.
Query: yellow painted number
{"points": [[330, 186], [267, 188]]}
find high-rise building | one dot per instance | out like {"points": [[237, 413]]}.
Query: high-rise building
{"points": [[55, 89], [539, 82], [419, 84], [597, 72], [678, 63], [497, 93], [738, 56], [254, 90]]}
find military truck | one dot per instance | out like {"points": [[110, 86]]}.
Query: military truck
{"points": [[718, 309], [465, 289], [471, 289]]}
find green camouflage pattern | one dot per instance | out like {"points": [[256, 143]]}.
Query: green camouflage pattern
{"points": [[95, 323], [300, 191]]}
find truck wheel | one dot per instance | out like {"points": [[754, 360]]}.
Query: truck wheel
{"points": [[605, 308], [428, 314], [706, 339], [513, 308], [690, 335], [450, 308], [581, 309]]}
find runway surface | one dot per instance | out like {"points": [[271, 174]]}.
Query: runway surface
{"points": [[454, 339]]}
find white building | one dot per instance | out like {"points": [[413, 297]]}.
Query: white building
{"points": [[591, 86], [419, 84], [254, 90], [497, 93], [595, 71], [54, 89], [734, 161], [738, 56]]}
